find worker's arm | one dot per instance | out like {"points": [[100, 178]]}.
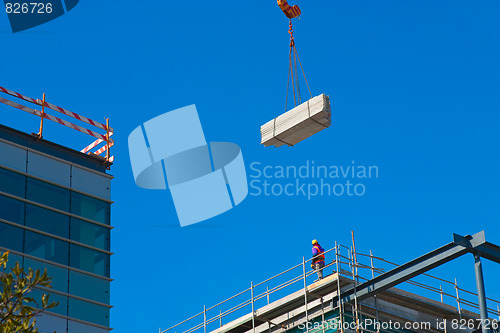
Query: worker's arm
{"points": [[315, 252]]}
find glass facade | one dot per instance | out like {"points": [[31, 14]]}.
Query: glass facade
{"points": [[90, 208], [12, 183], [11, 210], [11, 237], [48, 194], [80, 287], [47, 221], [90, 234], [66, 232]]}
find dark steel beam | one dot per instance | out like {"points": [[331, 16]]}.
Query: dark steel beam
{"points": [[489, 251]]}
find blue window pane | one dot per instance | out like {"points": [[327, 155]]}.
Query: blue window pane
{"points": [[76, 327], [11, 237], [47, 220], [48, 194], [13, 259], [46, 248], [12, 183], [48, 324], [90, 234], [59, 275], [89, 312], [79, 286], [91, 208], [89, 260], [11, 210], [61, 308]]}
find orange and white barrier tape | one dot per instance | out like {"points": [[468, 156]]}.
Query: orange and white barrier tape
{"points": [[18, 95], [104, 148], [100, 137], [74, 115], [55, 108], [50, 117], [20, 107], [92, 145], [96, 143], [74, 126]]}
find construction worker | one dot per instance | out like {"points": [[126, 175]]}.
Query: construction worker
{"points": [[318, 259]]}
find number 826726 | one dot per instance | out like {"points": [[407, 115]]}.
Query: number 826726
{"points": [[28, 8]]}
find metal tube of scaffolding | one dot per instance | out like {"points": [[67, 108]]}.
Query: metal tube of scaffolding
{"points": [[459, 308], [375, 297], [338, 288], [305, 292], [205, 318], [253, 307]]}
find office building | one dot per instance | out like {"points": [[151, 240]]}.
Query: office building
{"points": [[55, 207]]}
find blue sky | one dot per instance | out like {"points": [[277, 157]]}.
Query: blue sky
{"points": [[414, 88]]}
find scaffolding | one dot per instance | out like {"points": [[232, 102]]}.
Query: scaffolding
{"points": [[42, 113], [323, 301]]}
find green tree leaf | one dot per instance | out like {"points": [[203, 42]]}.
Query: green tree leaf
{"points": [[17, 308]]}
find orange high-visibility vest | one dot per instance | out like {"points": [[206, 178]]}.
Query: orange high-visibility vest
{"points": [[320, 256]]}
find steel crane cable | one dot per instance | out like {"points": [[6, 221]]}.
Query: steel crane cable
{"points": [[293, 73]]}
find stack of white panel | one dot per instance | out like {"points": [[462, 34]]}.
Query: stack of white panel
{"points": [[297, 124]]}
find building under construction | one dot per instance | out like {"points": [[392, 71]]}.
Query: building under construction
{"points": [[365, 293]]}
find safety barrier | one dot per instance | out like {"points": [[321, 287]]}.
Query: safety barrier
{"points": [[106, 137]]}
